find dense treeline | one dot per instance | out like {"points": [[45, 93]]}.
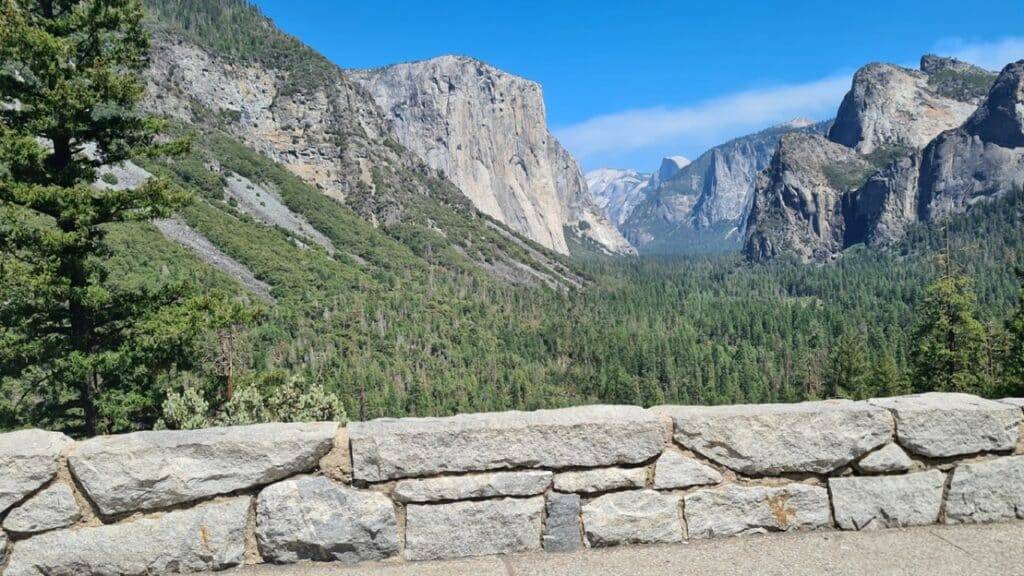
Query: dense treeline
{"points": [[106, 326]]}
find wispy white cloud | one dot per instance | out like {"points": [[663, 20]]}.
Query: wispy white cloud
{"points": [[691, 128], [992, 55]]}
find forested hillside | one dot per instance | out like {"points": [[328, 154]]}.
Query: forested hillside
{"points": [[400, 299]]}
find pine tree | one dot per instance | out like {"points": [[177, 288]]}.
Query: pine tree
{"points": [[70, 84], [848, 373], [949, 343]]}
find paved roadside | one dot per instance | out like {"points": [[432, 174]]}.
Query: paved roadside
{"points": [[926, 551]]}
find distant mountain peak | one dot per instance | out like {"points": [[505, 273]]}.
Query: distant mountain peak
{"points": [[798, 122]]}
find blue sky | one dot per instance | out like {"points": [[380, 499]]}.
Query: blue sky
{"points": [[629, 82]]}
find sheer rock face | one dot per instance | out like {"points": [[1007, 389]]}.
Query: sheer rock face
{"points": [[705, 203], [929, 152], [981, 159], [798, 200], [299, 130], [893, 106], [879, 212], [487, 131]]}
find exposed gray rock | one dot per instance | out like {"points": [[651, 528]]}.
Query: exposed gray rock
{"points": [[637, 517], [562, 528], [177, 230], [477, 528], [771, 439], [601, 480], [3, 547], [797, 205], [987, 491], [54, 507], [1014, 401], [312, 518], [878, 213], [486, 130], [587, 436], [28, 460], [673, 470], [890, 458], [892, 106], [704, 205], [617, 192], [940, 425], [982, 159], [874, 502], [737, 509], [264, 203], [956, 79], [472, 486], [149, 470], [208, 537]]}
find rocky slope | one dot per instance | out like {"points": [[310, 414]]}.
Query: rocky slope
{"points": [[486, 130], [702, 206], [799, 198], [889, 106], [923, 148], [220, 65], [982, 158]]}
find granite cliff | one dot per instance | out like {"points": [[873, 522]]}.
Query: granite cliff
{"points": [[486, 130]]}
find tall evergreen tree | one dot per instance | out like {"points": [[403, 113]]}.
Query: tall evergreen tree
{"points": [[949, 343], [70, 84], [848, 373]]}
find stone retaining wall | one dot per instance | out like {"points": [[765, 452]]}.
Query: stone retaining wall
{"points": [[558, 480]]}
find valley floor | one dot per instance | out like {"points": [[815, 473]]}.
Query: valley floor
{"points": [[931, 551]]}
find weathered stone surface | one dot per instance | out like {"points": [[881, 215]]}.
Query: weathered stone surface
{"points": [[756, 509], [798, 199], [940, 425], [486, 130], [54, 507], [890, 106], [208, 537], [562, 529], [874, 502], [587, 436], [149, 470], [28, 459], [987, 491], [3, 547], [337, 464], [312, 518], [673, 470], [766, 440], [1014, 402], [478, 528], [487, 485], [636, 517], [890, 458], [601, 480]]}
